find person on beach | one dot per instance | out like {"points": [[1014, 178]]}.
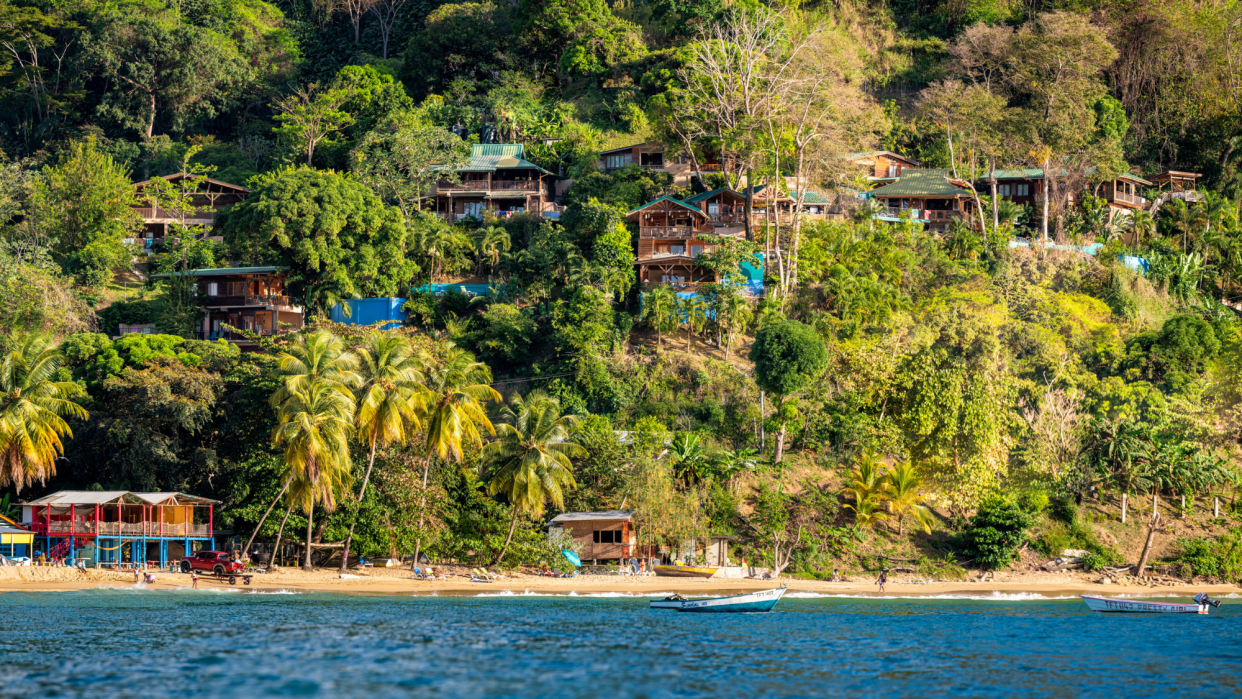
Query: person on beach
{"points": [[881, 580], [836, 576], [194, 578], [136, 578]]}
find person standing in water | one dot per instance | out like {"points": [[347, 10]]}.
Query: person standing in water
{"points": [[881, 580]]}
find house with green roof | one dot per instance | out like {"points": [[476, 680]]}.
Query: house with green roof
{"points": [[925, 194], [881, 166], [650, 155], [670, 236], [497, 179], [254, 299]]}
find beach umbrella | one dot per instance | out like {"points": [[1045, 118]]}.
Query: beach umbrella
{"points": [[572, 558]]}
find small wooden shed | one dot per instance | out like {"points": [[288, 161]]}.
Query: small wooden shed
{"points": [[602, 535]]}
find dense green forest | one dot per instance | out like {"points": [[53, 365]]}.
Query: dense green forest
{"points": [[943, 396]]}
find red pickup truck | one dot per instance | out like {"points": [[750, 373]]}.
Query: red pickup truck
{"points": [[217, 562]]}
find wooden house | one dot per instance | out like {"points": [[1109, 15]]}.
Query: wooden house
{"points": [[497, 180], [16, 541], [1122, 193], [1174, 181], [246, 298], [206, 198], [602, 536], [882, 166], [654, 156], [114, 527], [1021, 186], [927, 195], [669, 233]]}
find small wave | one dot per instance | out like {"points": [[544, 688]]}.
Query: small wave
{"points": [[996, 595], [571, 593]]}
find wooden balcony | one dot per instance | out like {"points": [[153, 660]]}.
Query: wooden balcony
{"points": [[727, 219], [1127, 199], [146, 529], [668, 232], [946, 215], [492, 186], [151, 214]]}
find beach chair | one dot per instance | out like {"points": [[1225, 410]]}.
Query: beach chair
{"points": [[419, 574]]}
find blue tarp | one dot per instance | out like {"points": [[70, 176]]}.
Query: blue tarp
{"points": [[371, 311], [1091, 249]]}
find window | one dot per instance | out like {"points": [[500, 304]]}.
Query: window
{"points": [[713, 209], [1024, 190], [611, 536], [238, 288], [613, 162], [677, 249], [213, 289], [892, 171], [696, 250], [1003, 190]]}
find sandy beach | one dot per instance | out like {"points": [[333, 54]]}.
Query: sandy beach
{"points": [[456, 581]]}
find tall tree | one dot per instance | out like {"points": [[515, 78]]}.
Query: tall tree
{"points": [[531, 457], [309, 115], [33, 408], [313, 425], [458, 389], [405, 155], [391, 399], [787, 354], [162, 68]]}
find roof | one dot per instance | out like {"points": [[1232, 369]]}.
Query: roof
{"points": [[183, 175], [1027, 173], [65, 498], [1175, 175], [610, 515], [664, 198], [8, 525], [707, 195], [1135, 178], [618, 150], [221, 271], [920, 183], [489, 157], [809, 197], [875, 153]]}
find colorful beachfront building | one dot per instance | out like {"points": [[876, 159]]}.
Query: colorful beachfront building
{"points": [[107, 528], [15, 540]]}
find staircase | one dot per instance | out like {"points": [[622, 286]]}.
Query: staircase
{"points": [[61, 550], [1190, 197]]}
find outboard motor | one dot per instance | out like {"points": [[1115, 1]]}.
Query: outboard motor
{"points": [[1202, 599]]}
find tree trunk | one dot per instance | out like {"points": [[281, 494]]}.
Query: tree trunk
{"points": [[280, 533], [749, 208], [1154, 501], [1215, 506], [780, 444], [422, 511], [503, 549], [151, 118], [1151, 535], [310, 520], [1043, 226], [995, 207], [350, 538], [263, 519], [1124, 498], [310, 153]]}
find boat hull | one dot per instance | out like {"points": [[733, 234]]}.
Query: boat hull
{"points": [[1105, 604], [683, 572], [762, 601]]}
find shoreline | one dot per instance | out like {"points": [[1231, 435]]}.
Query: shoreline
{"points": [[393, 582]]}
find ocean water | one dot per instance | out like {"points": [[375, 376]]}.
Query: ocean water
{"points": [[200, 643]]}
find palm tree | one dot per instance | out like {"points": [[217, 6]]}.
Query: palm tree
{"points": [[866, 213], [694, 310], [317, 356], [688, 456], [734, 312], [532, 456], [457, 389], [1142, 224], [1181, 219], [490, 242], [659, 310], [901, 489], [390, 401], [33, 408], [867, 478], [313, 425]]}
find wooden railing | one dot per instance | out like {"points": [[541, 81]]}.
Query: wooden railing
{"points": [[941, 215], [1131, 199], [667, 232], [494, 185], [156, 213], [122, 528], [727, 219], [252, 300]]}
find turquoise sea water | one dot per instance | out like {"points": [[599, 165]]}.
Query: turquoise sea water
{"points": [[199, 643]]}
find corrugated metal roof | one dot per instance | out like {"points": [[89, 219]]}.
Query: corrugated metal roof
{"points": [[1028, 173], [489, 157], [101, 497], [705, 195], [221, 272], [920, 183], [610, 515], [663, 198], [809, 197]]}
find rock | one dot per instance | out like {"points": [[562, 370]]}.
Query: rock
{"points": [[1074, 553], [1106, 581]]}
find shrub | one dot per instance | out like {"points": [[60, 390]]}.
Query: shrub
{"points": [[1214, 558], [995, 532], [1064, 510], [1033, 501], [1098, 560]]}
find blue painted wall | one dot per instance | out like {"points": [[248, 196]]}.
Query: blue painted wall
{"points": [[371, 311]]}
